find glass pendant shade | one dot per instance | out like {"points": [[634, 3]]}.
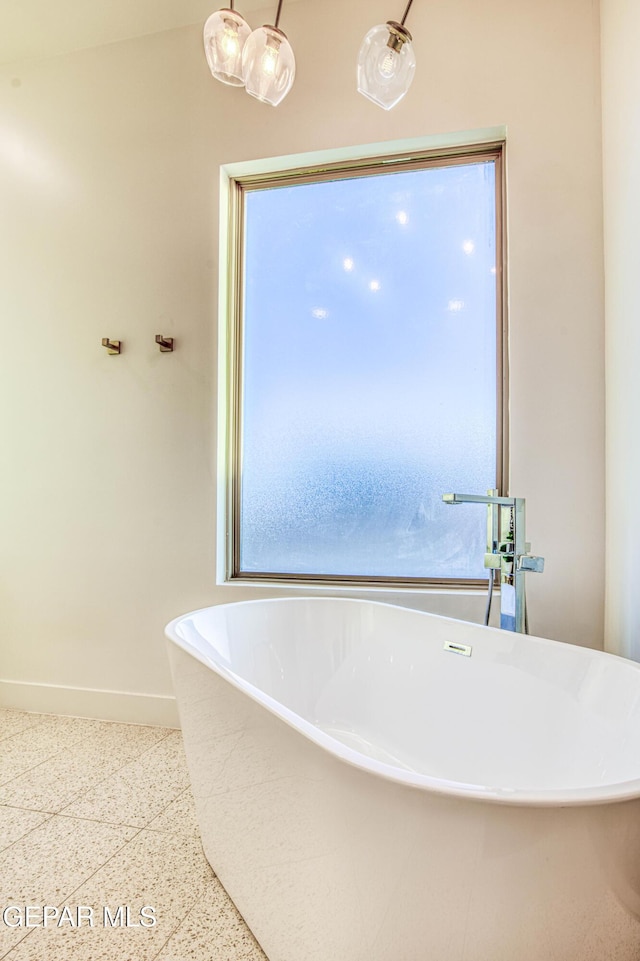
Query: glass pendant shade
{"points": [[269, 66], [386, 64], [225, 34]]}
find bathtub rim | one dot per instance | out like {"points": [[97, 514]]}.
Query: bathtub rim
{"points": [[522, 797]]}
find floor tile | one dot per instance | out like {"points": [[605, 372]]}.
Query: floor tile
{"points": [[107, 780], [212, 931], [154, 870], [13, 722], [179, 817], [57, 781], [140, 790], [129, 739], [75, 727], [14, 823], [48, 864], [35, 744]]}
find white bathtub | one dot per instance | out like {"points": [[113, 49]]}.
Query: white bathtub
{"points": [[366, 794]]}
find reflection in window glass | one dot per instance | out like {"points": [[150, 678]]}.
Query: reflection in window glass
{"points": [[369, 373]]}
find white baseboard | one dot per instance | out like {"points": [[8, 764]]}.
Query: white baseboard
{"points": [[159, 709]]}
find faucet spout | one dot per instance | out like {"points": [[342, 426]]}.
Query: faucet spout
{"points": [[507, 551], [479, 499]]}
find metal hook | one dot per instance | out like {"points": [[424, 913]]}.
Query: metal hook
{"points": [[165, 343], [113, 346]]}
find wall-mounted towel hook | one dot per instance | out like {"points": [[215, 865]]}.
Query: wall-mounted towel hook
{"points": [[165, 343], [113, 346]]}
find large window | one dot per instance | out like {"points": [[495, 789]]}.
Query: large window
{"points": [[365, 369]]}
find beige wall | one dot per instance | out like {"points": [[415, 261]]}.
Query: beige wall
{"points": [[621, 149], [109, 165]]}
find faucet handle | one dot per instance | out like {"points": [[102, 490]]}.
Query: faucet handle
{"points": [[526, 562]]}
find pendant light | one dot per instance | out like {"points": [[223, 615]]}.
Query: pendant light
{"points": [[268, 63], [225, 34], [386, 63]]}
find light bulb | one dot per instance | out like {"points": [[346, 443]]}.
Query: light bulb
{"points": [[270, 59], [230, 43], [387, 67]]}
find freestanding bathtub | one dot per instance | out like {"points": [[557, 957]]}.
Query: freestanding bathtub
{"points": [[377, 784]]}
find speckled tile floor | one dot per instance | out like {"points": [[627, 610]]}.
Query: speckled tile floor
{"points": [[98, 816]]}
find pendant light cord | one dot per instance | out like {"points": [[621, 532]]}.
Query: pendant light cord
{"points": [[280, 8], [405, 13]]}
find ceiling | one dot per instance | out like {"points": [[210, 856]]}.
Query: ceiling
{"points": [[31, 29]]}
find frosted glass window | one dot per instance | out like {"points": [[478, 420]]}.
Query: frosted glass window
{"points": [[369, 373]]}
